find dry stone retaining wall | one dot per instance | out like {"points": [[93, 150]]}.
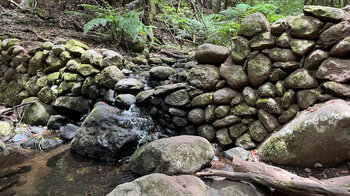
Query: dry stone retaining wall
{"points": [[272, 71]]}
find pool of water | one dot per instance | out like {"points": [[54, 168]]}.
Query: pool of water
{"points": [[59, 172]]}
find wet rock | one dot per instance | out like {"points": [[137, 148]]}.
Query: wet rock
{"points": [[337, 70], [211, 54], [56, 121], [222, 111], [301, 47], [177, 112], [196, 116], [237, 130], [289, 114], [42, 144], [154, 184], [277, 74], [269, 121], [283, 41], [329, 14], [333, 35], [341, 49], [250, 96], [305, 27], [288, 99], [91, 57], [270, 105], [267, 90], [68, 132], [315, 58], [224, 96], [108, 135], [279, 26], [144, 96], [300, 79], [78, 104], [130, 85], [109, 77], [243, 110], [223, 137], [206, 131], [37, 113], [234, 75], [124, 101], [202, 100], [245, 141], [281, 55], [307, 98], [259, 69], [263, 41], [175, 155], [204, 77], [226, 122], [253, 24], [161, 72], [288, 65], [178, 98], [236, 152], [295, 143], [209, 113], [337, 89], [240, 49], [166, 89], [257, 131]]}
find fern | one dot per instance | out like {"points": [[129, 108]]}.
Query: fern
{"points": [[96, 22]]}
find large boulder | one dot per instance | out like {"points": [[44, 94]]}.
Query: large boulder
{"points": [[161, 72], [160, 184], [211, 54], [109, 135], [109, 77], [337, 89], [300, 79], [295, 143], [341, 49], [337, 70], [329, 14], [204, 77], [253, 24], [175, 155], [259, 69], [334, 34], [305, 27], [240, 49], [129, 85]]}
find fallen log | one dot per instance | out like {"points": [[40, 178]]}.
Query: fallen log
{"points": [[276, 178], [3, 113]]}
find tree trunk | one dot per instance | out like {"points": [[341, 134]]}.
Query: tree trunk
{"points": [[225, 4], [218, 6]]}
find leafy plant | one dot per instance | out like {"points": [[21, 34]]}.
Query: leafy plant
{"points": [[122, 26]]}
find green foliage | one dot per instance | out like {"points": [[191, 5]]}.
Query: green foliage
{"points": [[124, 26]]}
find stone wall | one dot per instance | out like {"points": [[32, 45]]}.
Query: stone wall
{"points": [[271, 72]]}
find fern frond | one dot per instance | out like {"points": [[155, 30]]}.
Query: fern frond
{"points": [[94, 23]]}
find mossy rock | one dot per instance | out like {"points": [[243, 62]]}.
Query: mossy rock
{"points": [[259, 69], [223, 137], [37, 113], [87, 70], [234, 75], [329, 14], [10, 96], [253, 24], [300, 79], [305, 27], [204, 77], [109, 77], [36, 63], [245, 141], [46, 95], [202, 100], [240, 49], [243, 110], [337, 89]]}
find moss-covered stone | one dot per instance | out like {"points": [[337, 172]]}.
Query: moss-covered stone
{"points": [[234, 75], [223, 137], [222, 111], [283, 41], [202, 100], [46, 95], [65, 57], [337, 89], [10, 96], [305, 27], [288, 99], [54, 64], [53, 77], [257, 131], [47, 45], [243, 110], [301, 47], [196, 116], [259, 69], [282, 54], [250, 96], [240, 49], [253, 24], [109, 77], [179, 98], [289, 114], [37, 113], [36, 63], [237, 130], [92, 57], [307, 98], [300, 79], [72, 77], [87, 70], [5, 128], [329, 14], [270, 105], [206, 131], [263, 41], [245, 141], [269, 121]]}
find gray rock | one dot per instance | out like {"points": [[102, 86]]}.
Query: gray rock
{"points": [[283, 41], [129, 85], [295, 143], [56, 122], [267, 90], [68, 132], [144, 96], [224, 96], [245, 141], [269, 121], [315, 58], [109, 77], [257, 131], [196, 116], [157, 184], [277, 74], [165, 89], [279, 26], [250, 96], [37, 113], [209, 113], [223, 137], [237, 130], [180, 121], [337, 70], [341, 49], [78, 104], [211, 54], [305, 27], [205, 77], [202, 100], [240, 49], [288, 65], [236, 152], [222, 111], [281, 55], [301, 47], [178, 98], [226, 122], [288, 99], [300, 79], [263, 41], [324, 13], [234, 75], [177, 112], [206, 131], [124, 101], [161, 72], [175, 155], [270, 105], [337, 89], [289, 114], [307, 98], [253, 24], [42, 144], [333, 35], [259, 69]]}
